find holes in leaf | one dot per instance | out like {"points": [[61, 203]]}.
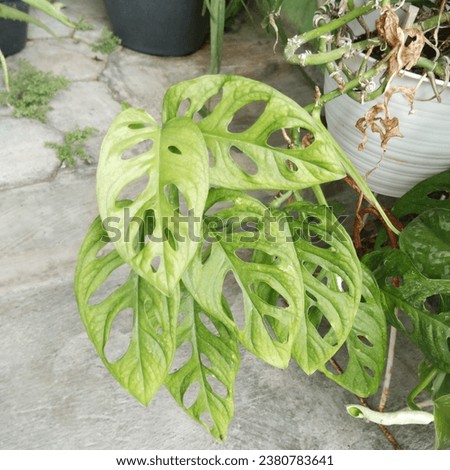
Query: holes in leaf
{"points": [[291, 166], [395, 281], [324, 327], [218, 206], [105, 250], [168, 236], [286, 138], [182, 355], [234, 297], [174, 149], [406, 322], [137, 150], [433, 304], [243, 161], [204, 359], [117, 278], [268, 294], [364, 340], [183, 207], [247, 116], [439, 195], [181, 318], [339, 362], [269, 324], [206, 419], [184, 107], [206, 251], [369, 371], [252, 255], [208, 324], [191, 394], [119, 336], [133, 189], [211, 158], [217, 386], [156, 262], [171, 193]]}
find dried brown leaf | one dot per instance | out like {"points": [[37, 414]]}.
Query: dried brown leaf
{"points": [[406, 44]]}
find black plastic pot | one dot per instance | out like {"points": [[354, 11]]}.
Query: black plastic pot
{"points": [[13, 34], [159, 27]]}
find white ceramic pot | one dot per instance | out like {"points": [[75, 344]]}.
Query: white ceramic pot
{"points": [[423, 151]]}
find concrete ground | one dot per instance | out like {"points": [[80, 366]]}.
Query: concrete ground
{"points": [[54, 391]]}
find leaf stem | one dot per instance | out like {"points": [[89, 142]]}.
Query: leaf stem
{"points": [[422, 385], [389, 367]]}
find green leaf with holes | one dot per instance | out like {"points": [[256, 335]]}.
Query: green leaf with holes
{"points": [[203, 382], [332, 277], [432, 193], [236, 233], [407, 288], [172, 161], [427, 241], [248, 159], [149, 353], [365, 345]]}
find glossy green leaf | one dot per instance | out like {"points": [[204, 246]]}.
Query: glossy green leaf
{"points": [[145, 363], [173, 162], [407, 288], [427, 241], [237, 233], [276, 166], [442, 422], [432, 193], [366, 344], [203, 383], [332, 277]]}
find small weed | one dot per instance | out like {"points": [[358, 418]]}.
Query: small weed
{"points": [[31, 91], [74, 146], [107, 42]]}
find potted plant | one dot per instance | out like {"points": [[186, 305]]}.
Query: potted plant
{"points": [[168, 28], [14, 17], [387, 70], [13, 34], [306, 295]]}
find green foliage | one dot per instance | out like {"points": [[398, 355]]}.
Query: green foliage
{"points": [[191, 229], [74, 146], [31, 91], [107, 42]]}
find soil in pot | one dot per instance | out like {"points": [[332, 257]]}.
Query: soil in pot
{"points": [[159, 27], [13, 34]]}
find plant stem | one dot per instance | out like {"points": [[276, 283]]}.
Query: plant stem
{"points": [[318, 193], [5, 71], [348, 87], [278, 201], [425, 382], [389, 367], [295, 42]]}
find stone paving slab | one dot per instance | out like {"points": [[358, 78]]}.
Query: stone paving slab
{"points": [[42, 226], [56, 394], [24, 159], [72, 59]]}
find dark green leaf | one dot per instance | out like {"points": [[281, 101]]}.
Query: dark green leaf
{"points": [[442, 421], [409, 290], [427, 242]]}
